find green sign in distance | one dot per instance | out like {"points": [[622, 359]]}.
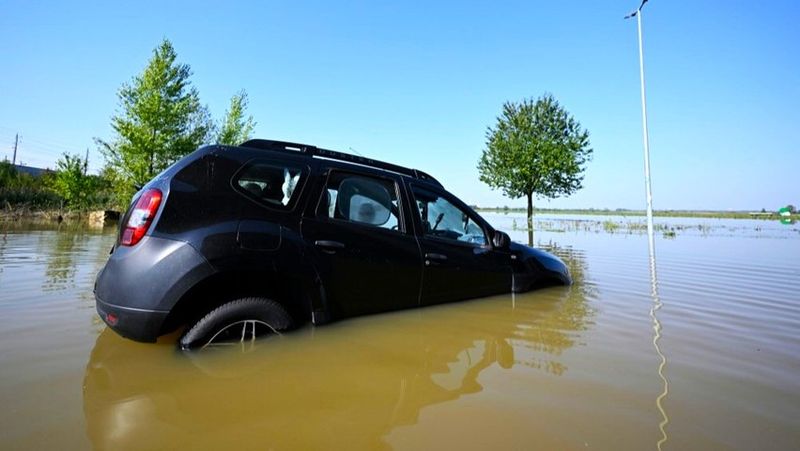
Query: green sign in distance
{"points": [[786, 215]]}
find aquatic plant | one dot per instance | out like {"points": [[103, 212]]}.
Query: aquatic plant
{"points": [[610, 226]]}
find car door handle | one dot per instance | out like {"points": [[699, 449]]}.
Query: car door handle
{"points": [[329, 244], [433, 258], [480, 250]]}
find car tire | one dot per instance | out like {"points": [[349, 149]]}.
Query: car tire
{"points": [[245, 318]]}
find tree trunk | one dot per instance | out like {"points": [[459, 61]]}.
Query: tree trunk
{"points": [[152, 156], [530, 219]]}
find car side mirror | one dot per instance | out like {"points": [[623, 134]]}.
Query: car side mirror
{"points": [[501, 240]]}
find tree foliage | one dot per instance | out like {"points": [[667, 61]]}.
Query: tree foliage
{"points": [[20, 190], [11, 178], [235, 127], [72, 183], [535, 148], [8, 174], [160, 119]]}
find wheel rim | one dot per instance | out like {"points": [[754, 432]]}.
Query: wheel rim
{"points": [[246, 328]]}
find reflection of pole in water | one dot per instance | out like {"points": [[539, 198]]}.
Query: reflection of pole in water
{"points": [[513, 294], [656, 337]]}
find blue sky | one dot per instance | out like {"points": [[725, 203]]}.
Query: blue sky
{"points": [[417, 84]]}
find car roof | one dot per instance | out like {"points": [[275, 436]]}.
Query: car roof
{"points": [[316, 152]]}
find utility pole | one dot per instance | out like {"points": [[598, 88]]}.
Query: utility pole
{"points": [[16, 141], [638, 15], [86, 162]]}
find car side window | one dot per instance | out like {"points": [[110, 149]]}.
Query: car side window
{"points": [[362, 200], [270, 184], [442, 219]]}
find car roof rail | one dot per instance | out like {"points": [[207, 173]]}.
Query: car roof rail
{"points": [[313, 151]]}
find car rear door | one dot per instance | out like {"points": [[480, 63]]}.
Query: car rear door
{"points": [[459, 260], [366, 256]]}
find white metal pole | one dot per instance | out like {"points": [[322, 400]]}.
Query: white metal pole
{"points": [[644, 129]]}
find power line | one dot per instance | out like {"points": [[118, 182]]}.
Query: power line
{"points": [[39, 154], [45, 141], [64, 147], [43, 148]]}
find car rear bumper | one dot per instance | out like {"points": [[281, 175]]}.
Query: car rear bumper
{"points": [[140, 285], [136, 324]]}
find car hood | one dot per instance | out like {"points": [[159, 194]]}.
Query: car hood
{"points": [[530, 259]]}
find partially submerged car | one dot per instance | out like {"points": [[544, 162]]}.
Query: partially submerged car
{"points": [[235, 242]]}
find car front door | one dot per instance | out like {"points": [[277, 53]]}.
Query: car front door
{"points": [[367, 258], [459, 260]]}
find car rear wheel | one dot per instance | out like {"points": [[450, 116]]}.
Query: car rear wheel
{"points": [[237, 322]]}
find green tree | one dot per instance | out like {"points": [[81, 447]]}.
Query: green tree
{"points": [[160, 119], [8, 174], [10, 177], [20, 190], [535, 148], [71, 182], [235, 127]]}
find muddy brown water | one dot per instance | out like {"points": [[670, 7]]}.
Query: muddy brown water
{"points": [[697, 348]]}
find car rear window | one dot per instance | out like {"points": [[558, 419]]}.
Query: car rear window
{"points": [[270, 184]]}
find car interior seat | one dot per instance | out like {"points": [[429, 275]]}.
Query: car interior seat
{"points": [[253, 189]]}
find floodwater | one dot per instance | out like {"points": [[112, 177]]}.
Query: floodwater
{"points": [[697, 347]]}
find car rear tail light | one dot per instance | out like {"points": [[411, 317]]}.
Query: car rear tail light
{"points": [[141, 217]]}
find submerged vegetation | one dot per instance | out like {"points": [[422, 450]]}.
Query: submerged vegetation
{"points": [[610, 226], [715, 214], [617, 226]]}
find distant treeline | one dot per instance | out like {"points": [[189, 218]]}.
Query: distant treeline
{"points": [[763, 214], [67, 188]]}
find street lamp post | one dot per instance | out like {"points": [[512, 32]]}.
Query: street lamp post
{"points": [[638, 15], [651, 241]]}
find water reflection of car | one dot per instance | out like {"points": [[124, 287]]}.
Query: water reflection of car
{"points": [[332, 388], [238, 241]]}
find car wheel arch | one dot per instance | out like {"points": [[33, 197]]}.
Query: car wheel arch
{"points": [[222, 287]]}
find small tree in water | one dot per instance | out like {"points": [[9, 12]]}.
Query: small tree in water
{"points": [[72, 183], [535, 148], [161, 120]]}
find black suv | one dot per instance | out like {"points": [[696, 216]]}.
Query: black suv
{"points": [[238, 241]]}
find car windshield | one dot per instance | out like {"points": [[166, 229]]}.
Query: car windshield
{"points": [[442, 219]]}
